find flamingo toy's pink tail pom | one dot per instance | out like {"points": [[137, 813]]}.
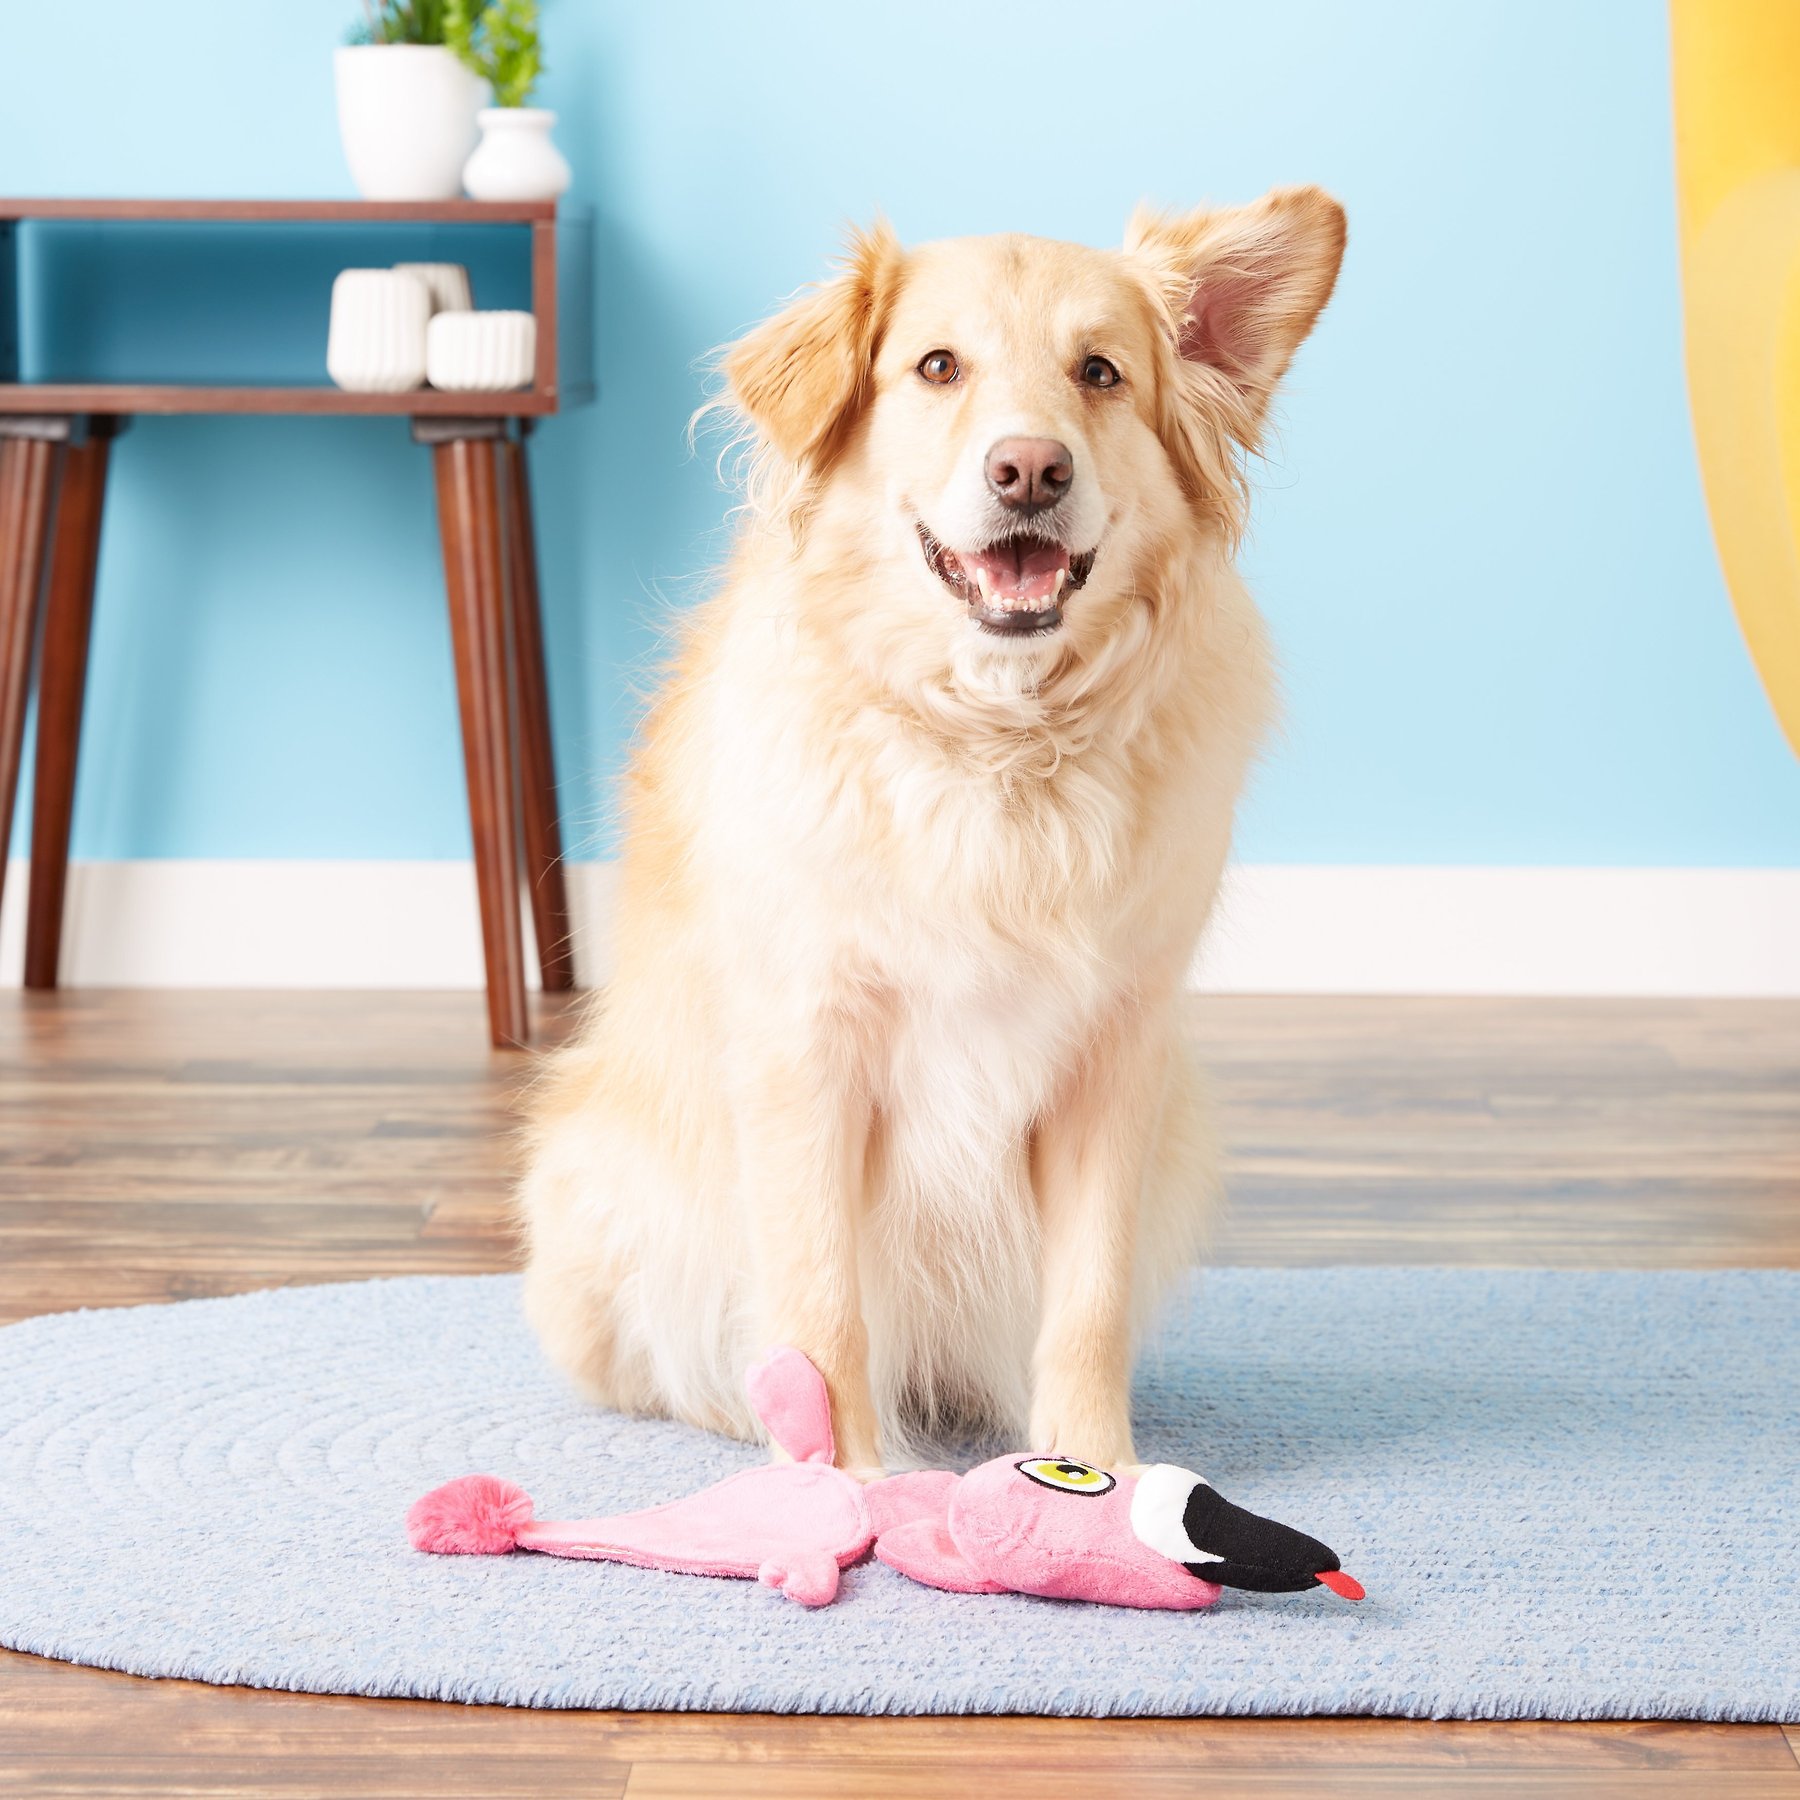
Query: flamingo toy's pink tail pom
{"points": [[475, 1515]]}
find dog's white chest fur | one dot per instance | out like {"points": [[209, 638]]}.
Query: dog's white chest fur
{"points": [[990, 945], [985, 980]]}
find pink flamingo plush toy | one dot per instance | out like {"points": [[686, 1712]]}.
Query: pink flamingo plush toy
{"points": [[1019, 1524]]}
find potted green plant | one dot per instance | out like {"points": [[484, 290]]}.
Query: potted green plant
{"points": [[498, 41], [407, 106]]}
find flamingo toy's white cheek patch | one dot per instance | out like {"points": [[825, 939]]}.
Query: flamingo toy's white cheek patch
{"points": [[1158, 1512]]}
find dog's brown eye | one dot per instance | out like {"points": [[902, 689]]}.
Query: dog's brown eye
{"points": [[939, 367], [1098, 372]]}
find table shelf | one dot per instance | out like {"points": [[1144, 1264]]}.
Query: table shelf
{"points": [[559, 247]]}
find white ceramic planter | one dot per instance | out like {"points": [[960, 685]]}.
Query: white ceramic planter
{"points": [[377, 341], [446, 283], [481, 352], [516, 159], [407, 116]]}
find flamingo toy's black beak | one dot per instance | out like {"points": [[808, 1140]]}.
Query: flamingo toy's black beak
{"points": [[1222, 1543], [1246, 1550]]}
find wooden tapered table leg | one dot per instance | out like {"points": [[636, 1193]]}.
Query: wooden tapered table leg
{"points": [[31, 452], [62, 681], [466, 456], [537, 756]]}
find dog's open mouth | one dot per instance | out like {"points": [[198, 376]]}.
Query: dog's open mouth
{"points": [[1014, 588]]}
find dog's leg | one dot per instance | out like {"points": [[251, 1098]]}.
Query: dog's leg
{"points": [[802, 1137], [1088, 1160]]}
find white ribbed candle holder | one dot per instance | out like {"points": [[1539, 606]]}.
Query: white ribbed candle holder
{"points": [[446, 283], [377, 339], [481, 352]]}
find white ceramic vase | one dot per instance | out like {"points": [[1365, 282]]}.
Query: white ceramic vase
{"points": [[481, 352], [377, 341], [407, 116], [516, 159], [446, 283]]}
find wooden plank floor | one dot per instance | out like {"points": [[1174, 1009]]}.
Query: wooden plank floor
{"points": [[159, 1145]]}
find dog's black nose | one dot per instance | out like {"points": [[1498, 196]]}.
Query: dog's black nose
{"points": [[1029, 474]]}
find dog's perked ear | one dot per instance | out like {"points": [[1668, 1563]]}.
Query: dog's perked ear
{"points": [[802, 376], [1243, 286]]}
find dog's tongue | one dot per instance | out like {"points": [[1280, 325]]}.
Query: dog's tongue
{"points": [[1019, 573]]}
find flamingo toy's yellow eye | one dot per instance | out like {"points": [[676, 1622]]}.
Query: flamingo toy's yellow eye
{"points": [[1066, 1477]]}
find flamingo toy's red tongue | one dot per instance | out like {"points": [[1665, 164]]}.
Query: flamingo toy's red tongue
{"points": [[1347, 1586]]}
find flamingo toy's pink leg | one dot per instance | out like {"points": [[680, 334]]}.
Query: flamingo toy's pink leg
{"points": [[790, 1398], [809, 1576]]}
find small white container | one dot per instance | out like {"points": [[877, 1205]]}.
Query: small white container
{"points": [[446, 283], [516, 159], [407, 118], [377, 340], [481, 352]]}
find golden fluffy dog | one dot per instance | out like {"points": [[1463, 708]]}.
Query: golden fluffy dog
{"points": [[919, 839]]}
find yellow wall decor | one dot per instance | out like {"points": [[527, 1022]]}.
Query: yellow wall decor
{"points": [[1737, 165]]}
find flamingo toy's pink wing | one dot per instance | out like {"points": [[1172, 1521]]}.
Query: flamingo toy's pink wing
{"points": [[925, 1550], [912, 1532], [791, 1525]]}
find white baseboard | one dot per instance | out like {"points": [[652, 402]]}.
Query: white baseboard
{"points": [[285, 924], [1281, 928], [1309, 928]]}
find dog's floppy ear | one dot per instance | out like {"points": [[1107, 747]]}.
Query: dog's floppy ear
{"points": [[1242, 286], [803, 375]]}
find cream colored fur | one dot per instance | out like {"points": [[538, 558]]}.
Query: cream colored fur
{"points": [[891, 1067]]}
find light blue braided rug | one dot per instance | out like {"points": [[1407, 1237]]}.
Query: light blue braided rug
{"points": [[1569, 1495]]}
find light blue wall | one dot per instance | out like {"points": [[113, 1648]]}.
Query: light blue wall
{"points": [[1482, 541]]}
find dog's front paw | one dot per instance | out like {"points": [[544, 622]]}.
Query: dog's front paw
{"points": [[1098, 1443]]}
